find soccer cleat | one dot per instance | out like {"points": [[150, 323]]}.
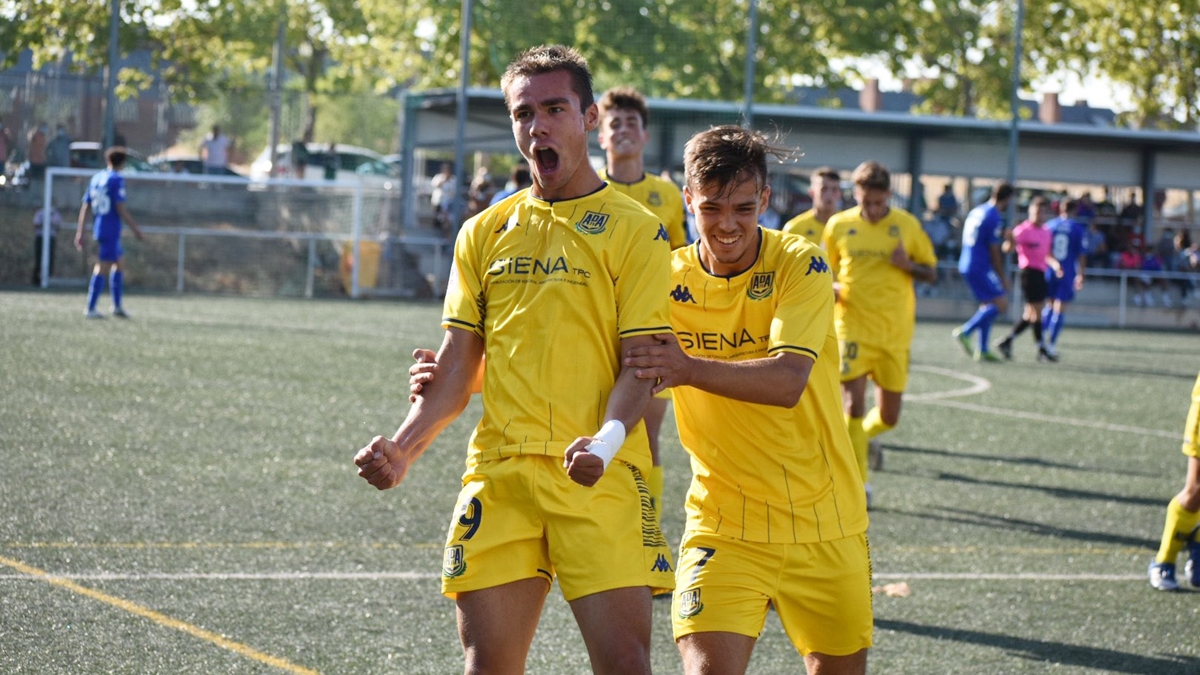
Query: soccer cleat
{"points": [[1045, 356], [987, 357], [874, 455], [964, 341], [1051, 351], [93, 314], [1005, 347], [120, 313], [1162, 576]]}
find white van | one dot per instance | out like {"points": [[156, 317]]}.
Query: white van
{"points": [[353, 164]]}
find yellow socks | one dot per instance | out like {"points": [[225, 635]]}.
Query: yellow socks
{"points": [[655, 484], [1178, 528], [873, 424]]}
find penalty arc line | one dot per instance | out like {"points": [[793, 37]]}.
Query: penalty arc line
{"points": [[980, 385], [157, 617]]}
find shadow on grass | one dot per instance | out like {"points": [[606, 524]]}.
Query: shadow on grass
{"points": [[1059, 492], [1054, 653], [1010, 459], [977, 519]]}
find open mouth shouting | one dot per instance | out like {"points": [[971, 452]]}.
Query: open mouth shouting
{"points": [[546, 160]]}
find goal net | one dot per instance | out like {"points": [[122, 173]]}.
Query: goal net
{"points": [[218, 234]]}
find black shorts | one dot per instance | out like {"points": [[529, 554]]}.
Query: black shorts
{"points": [[1033, 285]]}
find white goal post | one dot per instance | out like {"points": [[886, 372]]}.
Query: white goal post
{"points": [[227, 234]]}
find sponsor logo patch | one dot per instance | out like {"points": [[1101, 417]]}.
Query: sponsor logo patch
{"points": [[592, 223]]}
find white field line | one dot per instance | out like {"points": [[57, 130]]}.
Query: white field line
{"points": [[979, 385], [384, 576]]}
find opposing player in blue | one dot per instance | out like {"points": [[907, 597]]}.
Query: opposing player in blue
{"points": [[105, 197], [1067, 237], [982, 267]]}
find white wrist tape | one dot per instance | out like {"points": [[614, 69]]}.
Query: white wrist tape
{"points": [[608, 441]]}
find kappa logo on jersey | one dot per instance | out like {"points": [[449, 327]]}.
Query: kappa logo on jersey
{"points": [[511, 222], [893, 231], [662, 233], [682, 294], [654, 199], [689, 603], [818, 265], [453, 563], [761, 286], [661, 564], [592, 223]]}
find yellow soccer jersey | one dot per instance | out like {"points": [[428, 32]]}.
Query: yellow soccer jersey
{"points": [[806, 225], [552, 288], [876, 304], [664, 200], [1191, 430], [759, 472]]}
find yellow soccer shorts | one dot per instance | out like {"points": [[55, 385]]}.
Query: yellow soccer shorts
{"points": [[888, 368], [522, 517], [821, 591]]}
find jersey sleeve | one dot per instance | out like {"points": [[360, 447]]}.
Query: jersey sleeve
{"points": [[463, 306], [116, 188], [642, 279], [829, 243], [676, 219], [805, 310]]}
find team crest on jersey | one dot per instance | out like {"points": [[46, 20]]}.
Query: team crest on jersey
{"points": [[893, 231], [592, 223], [654, 199], [682, 294], [761, 286], [453, 564], [689, 603]]}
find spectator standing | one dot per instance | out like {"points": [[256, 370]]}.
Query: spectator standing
{"points": [[331, 162], [39, 227], [58, 150], [35, 151], [445, 190], [299, 159], [1096, 245], [518, 179], [214, 152], [6, 145]]}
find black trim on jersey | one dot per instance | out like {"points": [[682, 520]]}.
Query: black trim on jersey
{"points": [[654, 329], [806, 350], [614, 180], [753, 264], [603, 184], [462, 324]]}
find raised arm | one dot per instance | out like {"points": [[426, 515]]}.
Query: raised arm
{"points": [[385, 461]]}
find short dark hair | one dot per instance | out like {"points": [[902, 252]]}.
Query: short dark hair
{"points": [[116, 156], [824, 172], [548, 59], [1068, 206], [1038, 201], [520, 174], [871, 175], [625, 98], [1002, 191], [723, 155]]}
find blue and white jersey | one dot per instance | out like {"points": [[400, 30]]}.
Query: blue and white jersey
{"points": [[105, 191], [983, 229], [1067, 238]]}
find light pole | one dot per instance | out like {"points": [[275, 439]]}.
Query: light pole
{"points": [[110, 105], [1013, 130]]}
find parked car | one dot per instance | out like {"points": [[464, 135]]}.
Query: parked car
{"points": [[352, 164], [90, 155], [187, 164]]}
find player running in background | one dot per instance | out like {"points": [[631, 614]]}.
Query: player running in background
{"points": [[981, 264], [875, 251], [776, 510], [623, 136], [825, 188], [1067, 237], [105, 197], [1183, 513], [551, 285], [1031, 240]]}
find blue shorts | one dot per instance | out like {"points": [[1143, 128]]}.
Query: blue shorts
{"points": [[986, 287], [1059, 288], [110, 249]]}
